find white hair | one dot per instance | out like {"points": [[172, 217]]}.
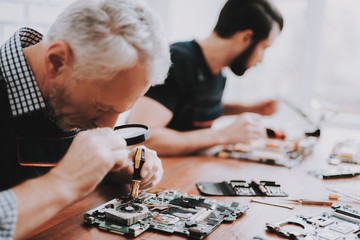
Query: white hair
{"points": [[111, 35]]}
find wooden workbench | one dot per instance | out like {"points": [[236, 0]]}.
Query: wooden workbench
{"points": [[181, 173]]}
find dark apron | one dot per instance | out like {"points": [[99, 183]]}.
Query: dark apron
{"points": [[29, 144]]}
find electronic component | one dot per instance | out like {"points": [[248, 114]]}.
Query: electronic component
{"points": [[167, 211], [241, 188], [340, 223], [281, 152], [346, 151], [125, 214]]}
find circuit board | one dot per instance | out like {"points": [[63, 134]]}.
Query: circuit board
{"points": [[346, 151], [334, 172], [168, 212], [281, 152], [342, 223]]}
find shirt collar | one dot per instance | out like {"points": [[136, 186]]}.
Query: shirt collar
{"points": [[23, 91]]}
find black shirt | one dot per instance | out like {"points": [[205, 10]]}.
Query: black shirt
{"points": [[191, 92]]}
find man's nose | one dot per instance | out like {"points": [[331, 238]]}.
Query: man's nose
{"points": [[107, 120], [261, 58]]}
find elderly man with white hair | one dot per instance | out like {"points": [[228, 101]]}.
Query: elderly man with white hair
{"points": [[97, 59]]}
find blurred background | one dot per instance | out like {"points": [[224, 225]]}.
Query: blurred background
{"points": [[314, 64]]}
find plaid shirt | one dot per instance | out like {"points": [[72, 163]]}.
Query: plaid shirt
{"points": [[8, 214], [23, 91], [24, 97]]}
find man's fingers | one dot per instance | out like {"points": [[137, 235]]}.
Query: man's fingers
{"points": [[154, 180], [151, 170], [106, 137], [120, 158], [151, 163]]}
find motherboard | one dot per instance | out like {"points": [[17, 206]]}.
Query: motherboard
{"points": [[341, 223], [345, 151], [167, 211], [282, 152]]}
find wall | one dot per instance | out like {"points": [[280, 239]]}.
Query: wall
{"points": [[314, 62]]}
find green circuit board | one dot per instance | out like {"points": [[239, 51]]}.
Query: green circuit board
{"points": [[168, 211]]}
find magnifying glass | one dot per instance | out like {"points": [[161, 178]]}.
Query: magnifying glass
{"points": [[133, 133]]}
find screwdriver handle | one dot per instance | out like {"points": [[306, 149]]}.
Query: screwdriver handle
{"points": [[139, 160]]}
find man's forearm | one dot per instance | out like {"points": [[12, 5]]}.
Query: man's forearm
{"points": [[38, 200], [235, 109], [168, 142]]}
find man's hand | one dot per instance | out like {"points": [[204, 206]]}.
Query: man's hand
{"points": [[245, 128], [266, 108], [90, 157], [152, 171]]}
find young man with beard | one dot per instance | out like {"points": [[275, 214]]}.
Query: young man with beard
{"points": [[181, 111], [97, 59]]}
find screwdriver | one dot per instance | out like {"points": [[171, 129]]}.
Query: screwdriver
{"points": [[139, 160], [309, 202]]}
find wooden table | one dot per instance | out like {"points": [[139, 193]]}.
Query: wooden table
{"points": [[181, 173]]}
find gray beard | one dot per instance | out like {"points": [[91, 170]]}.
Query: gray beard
{"points": [[55, 102]]}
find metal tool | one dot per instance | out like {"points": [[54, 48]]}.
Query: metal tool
{"points": [[272, 204], [139, 160], [309, 202]]}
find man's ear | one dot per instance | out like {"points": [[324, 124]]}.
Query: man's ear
{"points": [[58, 58], [243, 38], [248, 35]]}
